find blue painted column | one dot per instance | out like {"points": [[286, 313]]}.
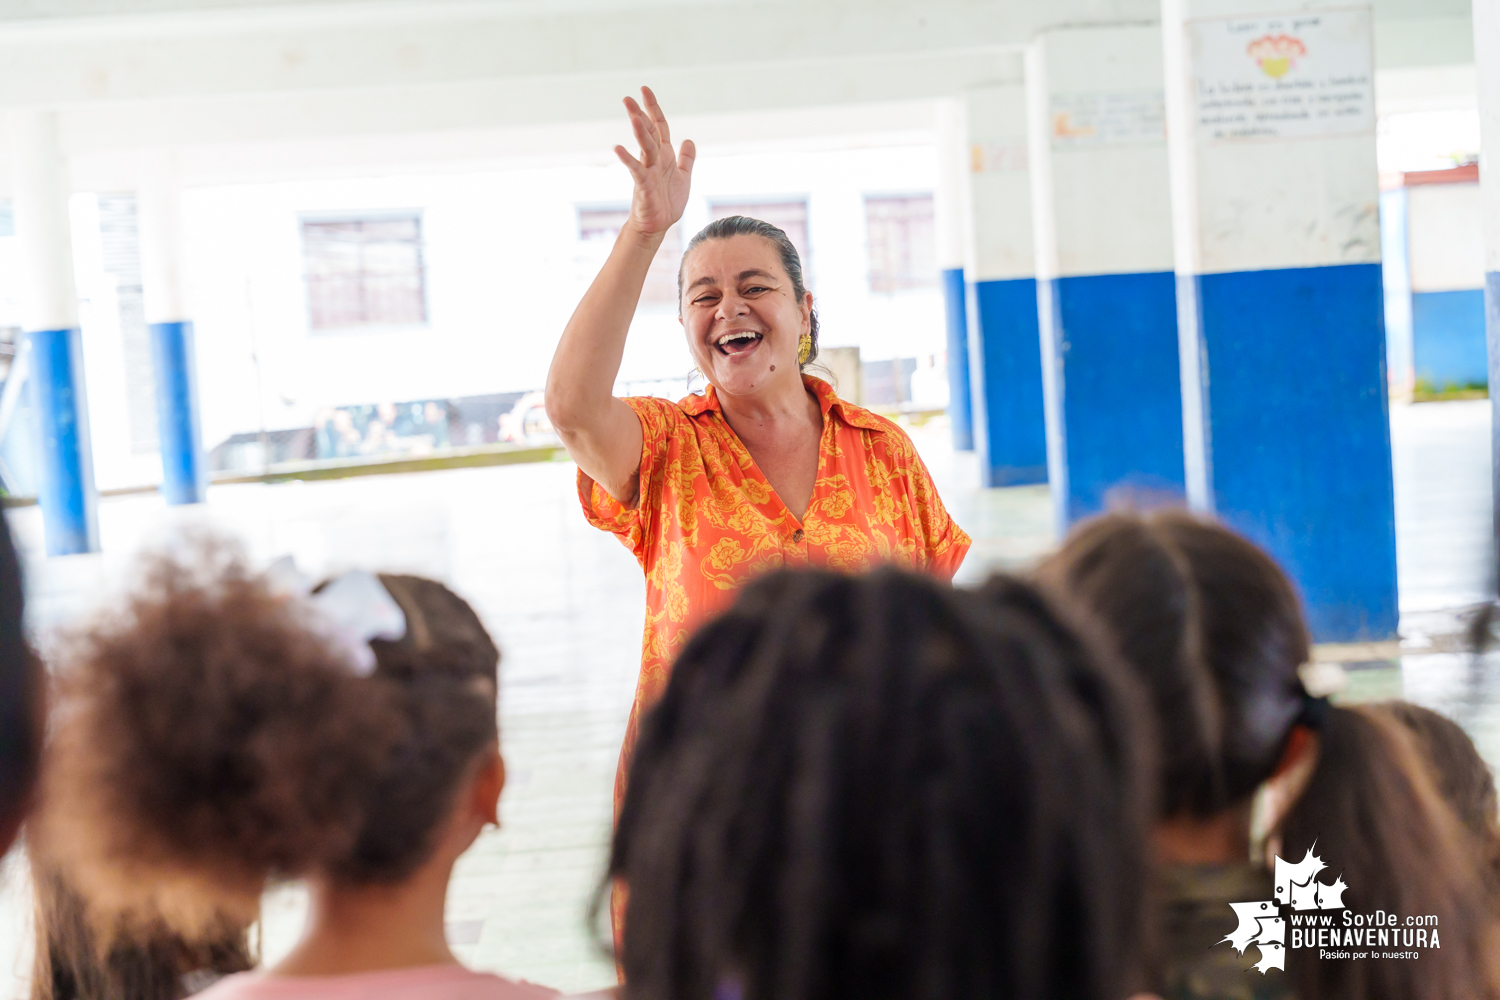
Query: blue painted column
{"points": [[174, 359], [950, 208], [1005, 366], [184, 476], [1487, 68], [1271, 130], [49, 313], [1101, 205], [960, 408]]}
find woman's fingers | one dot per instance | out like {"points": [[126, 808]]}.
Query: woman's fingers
{"points": [[637, 112], [687, 156], [658, 117], [637, 170], [645, 131]]}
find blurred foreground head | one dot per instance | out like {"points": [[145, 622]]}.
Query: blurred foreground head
{"points": [[1215, 629], [880, 786], [22, 680], [209, 736], [148, 963], [1461, 775]]}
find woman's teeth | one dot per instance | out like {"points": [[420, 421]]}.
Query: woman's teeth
{"points": [[735, 343]]}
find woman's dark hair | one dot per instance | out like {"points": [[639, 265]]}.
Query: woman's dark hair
{"points": [[1214, 628], [22, 683], [1460, 775], [210, 737], [791, 263], [880, 786], [139, 963]]}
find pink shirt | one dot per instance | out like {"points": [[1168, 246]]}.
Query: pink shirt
{"points": [[431, 982]]}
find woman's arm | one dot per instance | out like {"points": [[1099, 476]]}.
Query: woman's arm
{"points": [[602, 433]]}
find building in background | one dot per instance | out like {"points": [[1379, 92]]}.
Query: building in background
{"points": [[344, 318], [1434, 277]]}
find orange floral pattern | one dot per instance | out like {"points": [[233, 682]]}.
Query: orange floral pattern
{"points": [[708, 521]]}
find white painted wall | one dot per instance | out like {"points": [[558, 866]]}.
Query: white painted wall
{"points": [[951, 195], [1101, 200], [1295, 200], [1445, 237], [999, 236], [1487, 53]]}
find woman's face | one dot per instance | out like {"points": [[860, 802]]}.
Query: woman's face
{"points": [[743, 320]]}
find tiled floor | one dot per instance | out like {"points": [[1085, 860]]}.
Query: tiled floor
{"points": [[565, 603]]}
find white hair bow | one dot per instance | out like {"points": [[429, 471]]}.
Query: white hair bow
{"points": [[350, 610]]}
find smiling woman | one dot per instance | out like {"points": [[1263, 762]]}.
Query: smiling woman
{"points": [[767, 467]]}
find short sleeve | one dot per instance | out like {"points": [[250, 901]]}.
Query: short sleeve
{"points": [[947, 543], [635, 526], [943, 542]]}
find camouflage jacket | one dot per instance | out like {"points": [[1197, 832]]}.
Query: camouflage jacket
{"points": [[1195, 918]]}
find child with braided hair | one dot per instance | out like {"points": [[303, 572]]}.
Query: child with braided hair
{"points": [[878, 786], [217, 733]]}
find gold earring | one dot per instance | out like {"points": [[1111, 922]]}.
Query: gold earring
{"points": [[804, 348]]}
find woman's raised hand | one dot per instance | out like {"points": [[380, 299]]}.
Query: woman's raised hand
{"points": [[662, 175]]}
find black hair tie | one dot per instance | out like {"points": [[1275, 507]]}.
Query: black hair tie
{"points": [[1315, 711]]}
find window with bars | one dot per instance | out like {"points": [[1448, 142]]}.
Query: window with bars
{"points": [[900, 236], [788, 216], [365, 271], [602, 225]]}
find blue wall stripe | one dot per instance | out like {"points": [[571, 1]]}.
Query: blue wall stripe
{"points": [[184, 473], [66, 485], [1297, 432], [959, 413], [1114, 398], [1005, 371], [1448, 337]]}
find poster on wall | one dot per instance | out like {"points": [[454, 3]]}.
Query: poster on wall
{"points": [[1107, 119], [1003, 156], [1283, 77]]}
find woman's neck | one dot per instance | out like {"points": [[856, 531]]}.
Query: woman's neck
{"points": [[352, 929], [787, 403]]}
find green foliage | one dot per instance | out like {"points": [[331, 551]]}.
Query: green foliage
{"points": [[1425, 391]]}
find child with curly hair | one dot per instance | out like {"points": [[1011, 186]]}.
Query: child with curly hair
{"points": [[217, 733]]}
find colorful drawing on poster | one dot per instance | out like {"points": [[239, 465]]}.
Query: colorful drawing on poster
{"points": [[1276, 55]]}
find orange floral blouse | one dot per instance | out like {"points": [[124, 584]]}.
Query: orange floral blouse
{"points": [[708, 521]]}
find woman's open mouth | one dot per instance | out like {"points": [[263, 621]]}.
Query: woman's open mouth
{"points": [[737, 342]]}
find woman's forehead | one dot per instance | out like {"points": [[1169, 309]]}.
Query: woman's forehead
{"points": [[725, 259]]}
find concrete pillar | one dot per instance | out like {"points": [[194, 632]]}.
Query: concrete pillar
{"points": [[950, 208], [1487, 65], [1395, 268], [1005, 367], [1107, 298], [173, 358], [1271, 130], [49, 315]]}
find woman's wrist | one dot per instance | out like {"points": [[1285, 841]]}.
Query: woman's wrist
{"points": [[633, 232]]}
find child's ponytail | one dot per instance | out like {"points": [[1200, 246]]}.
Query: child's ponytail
{"points": [[1372, 813]]}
